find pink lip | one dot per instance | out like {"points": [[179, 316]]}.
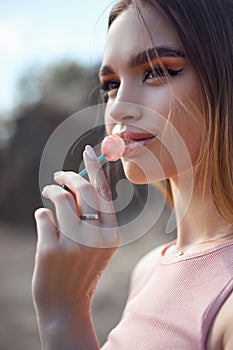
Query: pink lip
{"points": [[135, 141], [135, 136]]}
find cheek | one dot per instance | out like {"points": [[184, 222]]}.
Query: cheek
{"points": [[108, 121], [188, 119], [179, 145], [181, 106], [158, 100]]}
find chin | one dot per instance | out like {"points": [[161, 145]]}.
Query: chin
{"points": [[134, 173], [139, 176], [153, 172]]}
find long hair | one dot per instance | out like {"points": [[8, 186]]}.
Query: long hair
{"points": [[205, 28]]}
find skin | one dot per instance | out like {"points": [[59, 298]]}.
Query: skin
{"points": [[159, 95], [130, 90], [66, 272], [178, 100]]}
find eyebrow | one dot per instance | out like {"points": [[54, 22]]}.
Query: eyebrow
{"points": [[145, 56]]}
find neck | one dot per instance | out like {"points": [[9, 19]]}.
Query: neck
{"points": [[198, 220]]}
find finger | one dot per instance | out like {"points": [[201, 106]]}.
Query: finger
{"points": [[46, 229], [88, 201], [70, 179], [99, 181], [65, 206], [93, 198], [96, 174], [85, 193], [70, 225]]}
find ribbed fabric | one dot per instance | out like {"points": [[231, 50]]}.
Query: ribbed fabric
{"points": [[175, 304]]}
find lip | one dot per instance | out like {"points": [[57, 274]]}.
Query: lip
{"points": [[135, 141], [135, 136]]}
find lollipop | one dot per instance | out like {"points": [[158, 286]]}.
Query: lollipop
{"points": [[112, 149]]}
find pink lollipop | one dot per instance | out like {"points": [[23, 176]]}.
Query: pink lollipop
{"points": [[113, 147]]}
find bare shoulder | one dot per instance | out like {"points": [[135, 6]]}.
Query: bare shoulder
{"points": [[221, 335], [143, 265]]}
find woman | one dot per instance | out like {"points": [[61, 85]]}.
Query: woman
{"points": [[174, 58]]}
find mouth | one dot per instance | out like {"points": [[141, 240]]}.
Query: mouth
{"points": [[135, 136], [135, 141]]}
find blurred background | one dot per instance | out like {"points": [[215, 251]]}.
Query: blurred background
{"points": [[50, 52]]}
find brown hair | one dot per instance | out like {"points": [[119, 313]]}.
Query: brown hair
{"points": [[205, 28]]}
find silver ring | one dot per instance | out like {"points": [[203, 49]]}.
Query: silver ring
{"points": [[90, 216]]}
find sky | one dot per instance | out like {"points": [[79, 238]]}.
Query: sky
{"points": [[38, 33]]}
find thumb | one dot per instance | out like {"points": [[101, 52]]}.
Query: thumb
{"points": [[47, 232]]}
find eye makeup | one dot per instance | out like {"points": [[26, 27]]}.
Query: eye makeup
{"points": [[163, 68], [157, 70]]}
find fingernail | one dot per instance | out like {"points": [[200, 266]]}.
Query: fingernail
{"points": [[90, 152], [57, 173]]}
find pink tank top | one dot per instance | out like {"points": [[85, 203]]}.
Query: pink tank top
{"points": [[176, 302]]}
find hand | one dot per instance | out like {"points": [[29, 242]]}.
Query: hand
{"points": [[71, 255]]}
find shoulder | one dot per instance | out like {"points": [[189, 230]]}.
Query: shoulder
{"points": [[221, 332], [144, 265]]}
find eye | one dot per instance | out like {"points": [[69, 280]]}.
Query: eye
{"points": [[157, 72], [109, 85]]}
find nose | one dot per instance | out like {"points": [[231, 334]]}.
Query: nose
{"points": [[123, 112]]}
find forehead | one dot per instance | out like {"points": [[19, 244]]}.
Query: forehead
{"points": [[128, 34]]}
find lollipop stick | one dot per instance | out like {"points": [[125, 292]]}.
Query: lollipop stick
{"points": [[84, 172], [100, 159], [112, 149]]}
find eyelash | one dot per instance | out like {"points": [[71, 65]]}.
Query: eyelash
{"points": [[105, 86], [156, 72], [159, 72]]}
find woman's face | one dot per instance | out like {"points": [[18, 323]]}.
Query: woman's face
{"points": [[154, 98]]}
